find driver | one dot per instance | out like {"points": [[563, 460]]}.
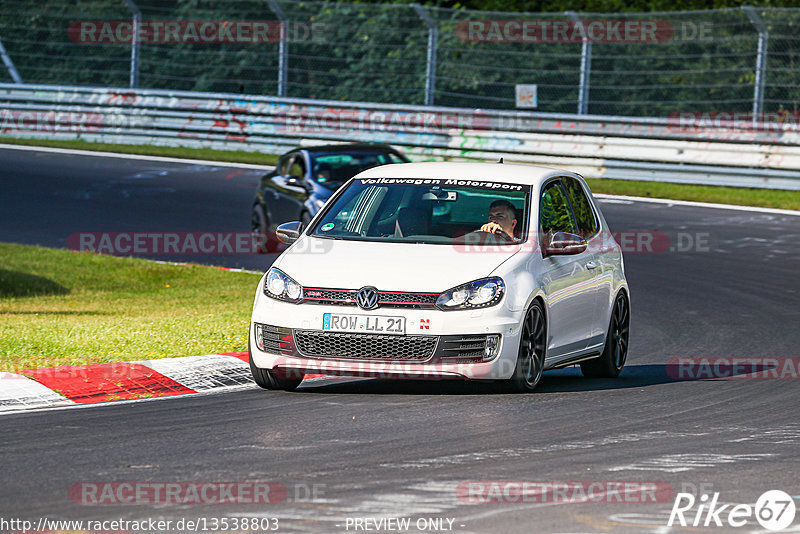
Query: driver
{"points": [[502, 218]]}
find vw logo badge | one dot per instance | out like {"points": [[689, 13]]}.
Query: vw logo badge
{"points": [[367, 298]]}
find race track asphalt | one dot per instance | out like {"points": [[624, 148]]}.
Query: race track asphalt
{"points": [[373, 448]]}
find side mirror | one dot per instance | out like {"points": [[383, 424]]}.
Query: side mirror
{"points": [[295, 181], [289, 232], [564, 244]]}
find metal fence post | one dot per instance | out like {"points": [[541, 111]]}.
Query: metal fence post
{"points": [[586, 66], [137, 20], [433, 43], [761, 61], [12, 70], [283, 47]]}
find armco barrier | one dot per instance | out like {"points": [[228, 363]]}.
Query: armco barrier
{"points": [[597, 146]]}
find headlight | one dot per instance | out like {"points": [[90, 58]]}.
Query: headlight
{"points": [[280, 286], [478, 294]]}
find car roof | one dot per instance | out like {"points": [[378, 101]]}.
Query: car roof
{"points": [[495, 172], [349, 147]]}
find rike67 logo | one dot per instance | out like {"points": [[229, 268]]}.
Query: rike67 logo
{"points": [[774, 510]]}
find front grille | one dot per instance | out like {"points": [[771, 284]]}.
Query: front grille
{"points": [[276, 338], [386, 299], [341, 345], [330, 296], [407, 299]]}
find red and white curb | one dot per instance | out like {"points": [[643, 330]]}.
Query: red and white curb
{"points": [[55, 387]]}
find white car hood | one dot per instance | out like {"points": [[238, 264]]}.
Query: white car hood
{"points": [[315, 262]]}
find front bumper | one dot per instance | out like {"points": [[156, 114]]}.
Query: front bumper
{"points": [[421, 351]]}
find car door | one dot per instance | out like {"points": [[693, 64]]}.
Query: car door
{"points": [[565, 280], [602, 273], [288, 190]]}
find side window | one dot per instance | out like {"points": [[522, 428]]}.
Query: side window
{"points": [[298, 167], [283, 164], [582, 208], [554, 213], [286, 163]]}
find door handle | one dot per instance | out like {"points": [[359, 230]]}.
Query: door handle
{"points": [[591, 265]]}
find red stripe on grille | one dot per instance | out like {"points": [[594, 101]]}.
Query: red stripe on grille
{"points": [[405, 302], [404, 293]]}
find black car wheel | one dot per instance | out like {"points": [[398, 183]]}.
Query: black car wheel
{"points": [[258, 228], [615, 352], [267, 379], [532, 347]]}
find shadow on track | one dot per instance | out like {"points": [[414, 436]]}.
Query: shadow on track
{"points": [[560, 381]]}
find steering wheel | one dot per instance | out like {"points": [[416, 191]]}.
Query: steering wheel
{"points": [[478, 234], [500, 233]]}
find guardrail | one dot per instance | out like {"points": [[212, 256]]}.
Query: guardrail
{"points": [[675, 150]]}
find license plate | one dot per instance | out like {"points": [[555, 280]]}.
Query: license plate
{"points": [[372, 324]]}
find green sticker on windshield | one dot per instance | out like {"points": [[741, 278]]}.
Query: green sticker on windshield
{"points": [[326, 227]]}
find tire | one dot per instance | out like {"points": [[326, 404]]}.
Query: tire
{"points": [[258, 228], [615, 351], [267, 379], [532, 348]]}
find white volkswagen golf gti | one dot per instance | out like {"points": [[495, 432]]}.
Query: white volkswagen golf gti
{"points": [[478, 271]]}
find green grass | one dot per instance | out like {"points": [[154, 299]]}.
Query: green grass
{"points": [[767, 198], [236, 156], [60, 307]]}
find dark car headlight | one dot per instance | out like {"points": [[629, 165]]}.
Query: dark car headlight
{"points": [[477, 294], [281, 286]]}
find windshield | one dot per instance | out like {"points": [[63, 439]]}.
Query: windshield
{"points": [[335, 168], [435, 211]]}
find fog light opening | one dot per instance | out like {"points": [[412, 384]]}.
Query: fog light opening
{"points": [[258, 331], [491, 347]]}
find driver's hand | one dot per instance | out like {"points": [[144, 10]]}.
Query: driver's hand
{"points": [[492, 228]]}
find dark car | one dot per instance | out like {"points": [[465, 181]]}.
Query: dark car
{"points": [[305, 178]]}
